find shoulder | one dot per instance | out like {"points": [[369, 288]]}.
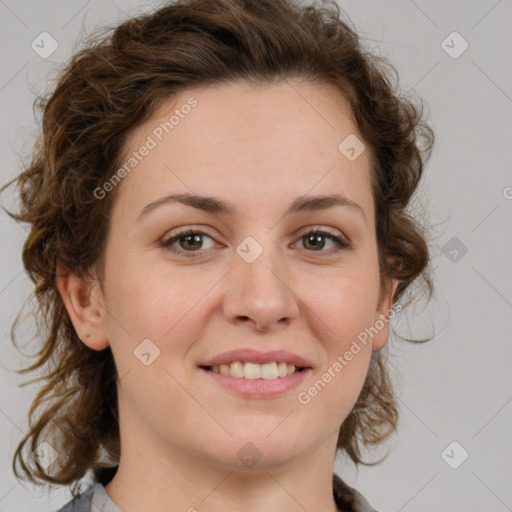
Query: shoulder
{"points": [[94, 499], [81, 502], [349, 499]]}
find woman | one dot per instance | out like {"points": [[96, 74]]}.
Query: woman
{"points": [[219, 240]]}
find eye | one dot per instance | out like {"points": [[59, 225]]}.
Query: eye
{"points": [[314, 237], [190, 241]]}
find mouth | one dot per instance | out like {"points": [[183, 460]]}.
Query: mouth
{"points": [[253, 371], [256, 381]]}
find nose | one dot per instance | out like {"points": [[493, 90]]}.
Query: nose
{"points": [[260, 294]]}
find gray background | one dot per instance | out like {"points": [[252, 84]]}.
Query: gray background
{"points": [[455, 388]]}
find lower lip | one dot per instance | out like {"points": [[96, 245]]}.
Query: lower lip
{"points": [[259, 388]]}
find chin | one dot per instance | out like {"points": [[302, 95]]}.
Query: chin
{"points": [[258, 453]]}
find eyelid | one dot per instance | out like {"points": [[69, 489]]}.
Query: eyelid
{"points": [[318, 229], [186, 230]]}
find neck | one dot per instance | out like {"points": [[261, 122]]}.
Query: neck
{"points": [[144, 481], [158, 474]]}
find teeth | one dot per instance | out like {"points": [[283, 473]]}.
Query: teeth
{"points": [[256, 371]]}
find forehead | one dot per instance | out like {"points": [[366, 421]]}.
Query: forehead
{"points": [[240, 140], [242, 109]]}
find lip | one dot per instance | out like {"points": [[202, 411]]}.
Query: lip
{"points": [[258, 388], [254, 356]]}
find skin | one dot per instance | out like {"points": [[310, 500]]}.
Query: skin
{"points": [[260, 147]]}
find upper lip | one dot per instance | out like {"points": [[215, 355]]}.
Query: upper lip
{"points": [[254, 356]]}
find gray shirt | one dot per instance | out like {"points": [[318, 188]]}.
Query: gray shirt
{"points": [[96, 499], [93, 499]]}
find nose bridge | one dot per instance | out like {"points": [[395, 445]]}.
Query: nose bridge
{"points": [[260, 282]]}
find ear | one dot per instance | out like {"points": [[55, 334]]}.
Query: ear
{"points": [[84, 302], [383, 314]]}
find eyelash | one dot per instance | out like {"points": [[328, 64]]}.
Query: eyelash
{"points": [[342, 244]]}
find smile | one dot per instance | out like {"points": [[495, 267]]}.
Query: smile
{"points": [[260, 381], [249, 370]]}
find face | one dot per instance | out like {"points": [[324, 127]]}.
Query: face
{"points": [[250, 278]]}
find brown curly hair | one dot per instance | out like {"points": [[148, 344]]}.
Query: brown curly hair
{"points": [[112, 86]]}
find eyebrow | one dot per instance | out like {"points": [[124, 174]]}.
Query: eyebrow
{"points": [[211, 204]]}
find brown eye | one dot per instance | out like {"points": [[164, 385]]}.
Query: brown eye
{"points": [[314, 240], [189, 241]]}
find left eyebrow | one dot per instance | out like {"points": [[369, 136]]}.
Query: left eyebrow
{"points": [[215, 205]]}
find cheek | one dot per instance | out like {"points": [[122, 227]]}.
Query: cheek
{"points": [[338, 382], [345, 310], [148, 300], [170, 310], [145, 305], [345, 302]]}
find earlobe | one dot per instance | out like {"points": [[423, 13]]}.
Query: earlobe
{"points": [[85, 306]]}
